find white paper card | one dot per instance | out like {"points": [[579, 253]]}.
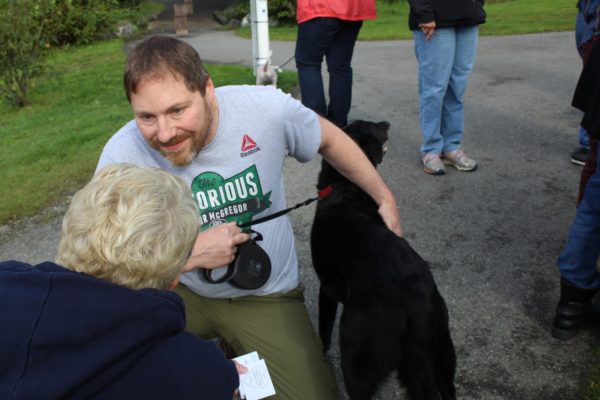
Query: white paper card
{"points": [[247, 359], [256, 383]]}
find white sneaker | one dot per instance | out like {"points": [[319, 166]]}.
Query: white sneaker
{"points": [[432, 164], [459, 160]]}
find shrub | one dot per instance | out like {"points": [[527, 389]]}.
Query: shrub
{"points": [[69, 22], [21, 41], [281, 10], [27, 27]]}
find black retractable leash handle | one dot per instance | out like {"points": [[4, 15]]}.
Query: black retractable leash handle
{"points": [[232, 267], [251, 267]]}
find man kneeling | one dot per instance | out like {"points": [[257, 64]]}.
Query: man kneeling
{"points": [[100, 324]]}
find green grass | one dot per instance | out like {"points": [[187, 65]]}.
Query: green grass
{"points": [[591, 388], [529, 16], [51, 147], [505, 17]]}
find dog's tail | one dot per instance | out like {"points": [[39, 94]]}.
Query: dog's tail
{"points": [[445, 367]]}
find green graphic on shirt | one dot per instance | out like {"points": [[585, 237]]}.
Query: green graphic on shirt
{"points": [[237, 199]]}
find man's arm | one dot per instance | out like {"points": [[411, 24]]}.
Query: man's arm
{"points": [[339, 150]]}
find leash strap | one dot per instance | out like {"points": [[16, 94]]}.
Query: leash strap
{"points": [[285, 63], [321, 195]]}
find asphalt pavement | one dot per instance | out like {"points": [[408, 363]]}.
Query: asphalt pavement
{"points": [[492, 236]]}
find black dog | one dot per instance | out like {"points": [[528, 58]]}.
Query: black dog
{"points": [[393, 316]]}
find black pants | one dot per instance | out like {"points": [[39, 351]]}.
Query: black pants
{"points": [[333, 39]]}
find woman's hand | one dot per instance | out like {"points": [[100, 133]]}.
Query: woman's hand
{"points": [[428, 28]]}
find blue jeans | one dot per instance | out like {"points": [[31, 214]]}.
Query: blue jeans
{"points": [[579, 30], [333, 39], [578, 260], [445, 62], [584, 139], [580, 26]]}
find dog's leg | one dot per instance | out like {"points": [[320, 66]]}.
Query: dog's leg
{"points": [[445, 367], [420, 383], [327, 313], [359, 368], [419, 372], [365, 358]]}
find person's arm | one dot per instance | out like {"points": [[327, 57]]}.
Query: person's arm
{"points": [[339, 150], [215, 247], [425, 14]]}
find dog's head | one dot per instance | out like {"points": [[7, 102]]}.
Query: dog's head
{"points": [[371, 137]]}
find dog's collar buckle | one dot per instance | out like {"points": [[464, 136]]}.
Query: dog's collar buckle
{"points": [[326, 191]]}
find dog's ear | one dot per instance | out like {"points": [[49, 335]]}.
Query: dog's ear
{"points": [[383, 125]]}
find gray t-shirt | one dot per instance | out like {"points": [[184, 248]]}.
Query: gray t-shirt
{"points": [[239, 175]]}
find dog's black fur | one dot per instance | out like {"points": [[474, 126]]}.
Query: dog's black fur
{"points": [[393, 316]]}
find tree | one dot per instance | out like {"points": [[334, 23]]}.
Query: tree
{"points": [[28, 27]]}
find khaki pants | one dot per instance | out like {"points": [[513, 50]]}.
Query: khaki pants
{"points": [[277, 326]]}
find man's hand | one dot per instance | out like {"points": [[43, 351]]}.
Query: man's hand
{"points": [[428, 28], [391, 218], [216, 247]]}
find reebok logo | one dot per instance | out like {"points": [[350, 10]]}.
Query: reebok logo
{"points": [[247, 143], [248, 146]]}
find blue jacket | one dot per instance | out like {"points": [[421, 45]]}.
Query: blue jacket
{"points": [[67, 335], [589, 10]]}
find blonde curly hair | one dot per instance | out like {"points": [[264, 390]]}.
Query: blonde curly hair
{"points": [[130, 225]]}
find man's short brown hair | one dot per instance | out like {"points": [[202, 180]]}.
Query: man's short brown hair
{"points": [[160, 55]]}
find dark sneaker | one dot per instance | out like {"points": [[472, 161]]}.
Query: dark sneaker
{"points": [[580, 156]]}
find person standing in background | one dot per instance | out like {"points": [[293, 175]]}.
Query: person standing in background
{"points": [[586, 33], [445, 34], [329, 28], [578, 261]]}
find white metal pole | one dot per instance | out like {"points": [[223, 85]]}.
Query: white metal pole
{"points": [[259, 14]]}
